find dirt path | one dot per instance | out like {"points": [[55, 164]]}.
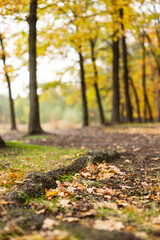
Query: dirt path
{"points": [[136, 142]]}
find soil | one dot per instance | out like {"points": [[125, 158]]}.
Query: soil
{"points": [[135, 143], [139, 150]]}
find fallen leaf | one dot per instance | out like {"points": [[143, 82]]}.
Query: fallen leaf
{"points": [[49, 223], [71, 219], [142, 235], [91, 212], [157, 220], [51, 192], [155, 159], [108, 225], [106, 204], [63, 202]]}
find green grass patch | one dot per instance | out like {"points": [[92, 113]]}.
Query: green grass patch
{"points": [[19, 158]]}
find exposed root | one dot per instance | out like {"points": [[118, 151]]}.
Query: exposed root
{"points": [[36, 182]]}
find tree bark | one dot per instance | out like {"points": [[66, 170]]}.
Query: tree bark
{"points": [[129, 116], [34, 117], [122, 108], [100, 107], [2, 143], [11, 102], [115, 83], [158, 97], [157, 60], [83, 90], [137, 100], [145, 97]]}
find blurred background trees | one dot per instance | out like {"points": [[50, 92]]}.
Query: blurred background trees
{"points": [[100, 61]]}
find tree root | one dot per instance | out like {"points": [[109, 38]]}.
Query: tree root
{"points": [[36, 182]]}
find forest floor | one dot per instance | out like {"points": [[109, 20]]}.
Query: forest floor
{"points": [[119, 199]]}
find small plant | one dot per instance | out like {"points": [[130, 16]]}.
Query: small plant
{"points": [[65, 178]]}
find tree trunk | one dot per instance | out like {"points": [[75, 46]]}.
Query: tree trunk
{"points": [[158, 98], [11, 103], [83, 89], [137, 100], [115, 83], [100, 107], [157, 60], [34, 117], [145, 97], [122, 108], [2, 143], [129, 116]]}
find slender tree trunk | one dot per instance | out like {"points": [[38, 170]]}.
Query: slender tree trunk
{"points": [[11, 102], [157, 60], [34, 117], [115, 83], [158, 98], [122, 108], [137, 100], [100, 107], [145, 97], [144, 82], [2, 143], [83, 89], [129, 116]]}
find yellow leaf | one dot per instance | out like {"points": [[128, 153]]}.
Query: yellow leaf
{"points": [[107, 175], [51, 193]]}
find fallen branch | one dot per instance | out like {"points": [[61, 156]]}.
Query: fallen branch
{"points": [[36, 182]]}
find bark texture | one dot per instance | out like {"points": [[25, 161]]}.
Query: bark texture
{"points": [[129, 115], [35, 183], [115, 83], [157, 60], [11, 102], [2, 143], [145, 97], [34, 117], [137, 100], [100, 107], [83, 89]]}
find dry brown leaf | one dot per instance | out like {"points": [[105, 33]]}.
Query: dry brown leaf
{"points": [[122, 203], [107, 175], [102, 165], [71, 219], [108, 225], [106, 204], [56, 235], [64, 203], [155, 159], [91, 212], [129, 229], [157, 220], [41, 211], [90, 190], [49, 223], [141, 235]]}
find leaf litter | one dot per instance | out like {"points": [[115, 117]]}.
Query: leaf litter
{"points": [[123, 196], [89, 199]]}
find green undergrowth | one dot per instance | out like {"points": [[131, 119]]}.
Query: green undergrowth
{"points": [[19, 158]]}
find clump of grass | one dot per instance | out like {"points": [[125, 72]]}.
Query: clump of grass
{"points": [[19, 158]]}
